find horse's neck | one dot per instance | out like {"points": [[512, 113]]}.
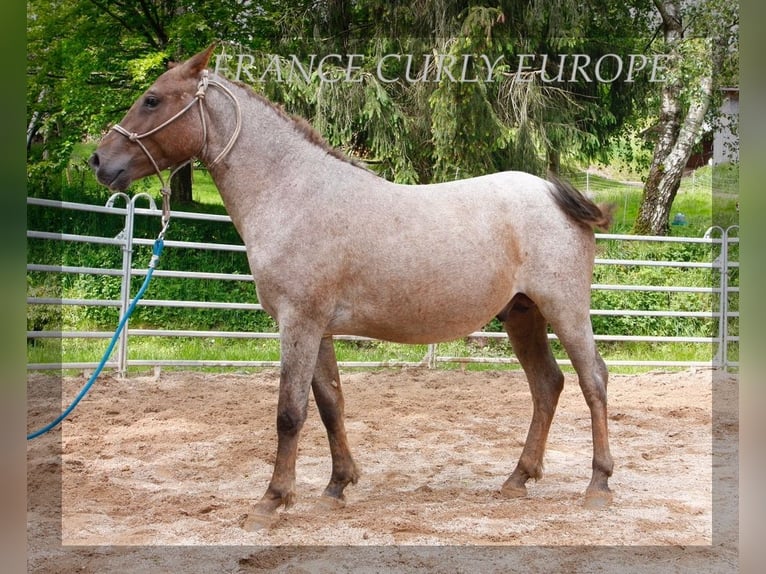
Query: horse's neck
{"points": [[270, 152]]}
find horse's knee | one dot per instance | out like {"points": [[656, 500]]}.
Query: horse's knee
{"points": [[557, 382], [595, 395], [327, 392], [602, 370], [546, 389], [594, 386], [290, 421], [329, 401]]}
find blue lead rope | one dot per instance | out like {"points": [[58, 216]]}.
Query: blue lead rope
{"points": [[156, 251]]}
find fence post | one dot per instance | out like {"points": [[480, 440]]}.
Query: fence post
{"points": [[719, 263], [126, 235], [430, 358], [724, 324], [725, 295]]}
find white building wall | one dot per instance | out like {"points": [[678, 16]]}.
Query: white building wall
{"points": [[725, 138]]}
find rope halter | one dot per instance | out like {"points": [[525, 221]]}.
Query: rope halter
{"points": [[199, 96]]}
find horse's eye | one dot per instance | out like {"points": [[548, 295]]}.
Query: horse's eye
{"points": [[151, 102]]}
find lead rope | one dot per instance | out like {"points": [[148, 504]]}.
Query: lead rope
{"points": [[156, 252], [159, 243]]}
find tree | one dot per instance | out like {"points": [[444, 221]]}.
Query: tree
{"points": [[151, 21], [89, 59], [461, 128], [530, 119], [695, 65]]}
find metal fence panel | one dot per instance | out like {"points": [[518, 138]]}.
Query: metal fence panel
{"points": [[716, 236]]}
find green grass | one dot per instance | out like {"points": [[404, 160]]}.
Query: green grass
{"points": [[204, 190], [193, 349], [707, 198], [209, 348]]}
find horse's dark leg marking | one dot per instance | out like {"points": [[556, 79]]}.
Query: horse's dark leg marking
{"points": [[299, 348], [527, 330], [329, 399]]}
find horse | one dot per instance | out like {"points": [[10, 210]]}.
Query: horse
{"points": [[335, 249]]}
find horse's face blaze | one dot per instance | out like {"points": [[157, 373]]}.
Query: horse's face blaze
{"points": [[119, 160]]}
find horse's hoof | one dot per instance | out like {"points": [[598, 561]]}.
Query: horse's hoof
{"points": [[330, 503], [597, 499], [259, 521], [513, 491]]}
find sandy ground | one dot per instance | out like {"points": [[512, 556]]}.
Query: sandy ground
{"points": [[157, 474]]}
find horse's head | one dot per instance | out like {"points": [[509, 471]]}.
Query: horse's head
{"points": [[160, 129]]}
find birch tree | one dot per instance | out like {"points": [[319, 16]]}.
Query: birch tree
{"points": [[685, 97]]}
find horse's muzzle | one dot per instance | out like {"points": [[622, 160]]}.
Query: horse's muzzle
{"points": [[115, 179], [94, 161]]}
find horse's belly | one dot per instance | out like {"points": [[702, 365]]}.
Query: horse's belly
{"points": [[417, 321], [421, 335], [408, 332]]}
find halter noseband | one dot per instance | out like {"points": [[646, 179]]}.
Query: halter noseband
{"points": [[199, 96]]}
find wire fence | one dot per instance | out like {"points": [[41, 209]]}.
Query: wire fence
{"points": [[721, 180]]}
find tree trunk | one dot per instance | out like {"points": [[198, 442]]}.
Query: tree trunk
{"points": [[677, 134], [554, 161], [670, 157], [181, 185]]}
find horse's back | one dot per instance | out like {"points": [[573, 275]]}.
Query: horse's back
{"points": [[444, 259]]}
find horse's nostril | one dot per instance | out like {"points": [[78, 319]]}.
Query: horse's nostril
{"points": [[93, 161]]}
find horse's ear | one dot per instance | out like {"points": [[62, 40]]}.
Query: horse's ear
{"points": [[198, 62]]}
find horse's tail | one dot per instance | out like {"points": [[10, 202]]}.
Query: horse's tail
{"points": [[580, 208]]}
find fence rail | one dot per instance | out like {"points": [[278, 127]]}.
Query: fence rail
{"points": [[720, 266]]}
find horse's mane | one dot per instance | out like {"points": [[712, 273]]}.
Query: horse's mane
{"points": [[302, 126]]}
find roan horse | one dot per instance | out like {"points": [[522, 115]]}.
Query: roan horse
{"points": [[335, 249]]}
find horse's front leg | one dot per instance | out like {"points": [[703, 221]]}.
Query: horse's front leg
{"points": [[299, 349]]}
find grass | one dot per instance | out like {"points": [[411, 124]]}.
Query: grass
{"points": [[204, 190], [181, 349], [194, 349], [705, 198]]}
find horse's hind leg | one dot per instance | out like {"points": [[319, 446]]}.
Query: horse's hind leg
{"points": [[575, 332], [527, 330], [329, 399]]}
